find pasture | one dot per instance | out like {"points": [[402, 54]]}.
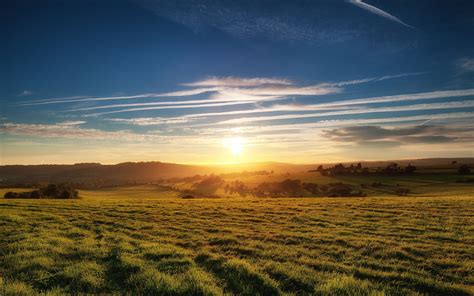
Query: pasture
{"points": [[143, 241]]}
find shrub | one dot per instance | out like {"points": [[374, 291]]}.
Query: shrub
{"points": [[62, 191], [11, 195]]}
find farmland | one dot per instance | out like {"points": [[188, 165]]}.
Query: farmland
{"points": [[143, 240]]}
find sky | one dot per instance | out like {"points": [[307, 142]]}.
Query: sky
{"points": [[212, 82]]}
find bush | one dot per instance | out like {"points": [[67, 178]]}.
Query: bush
{"points": [[62, 191], [11, 195]]}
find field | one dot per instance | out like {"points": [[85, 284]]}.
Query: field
{"points": [[140, 240]]}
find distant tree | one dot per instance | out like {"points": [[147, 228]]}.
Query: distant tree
{"points": [[51, 190], [359, 166], [454, 162], [35, 194], [410, 169], [464, 169], [320, 168], [340, 190], [11, 195]]}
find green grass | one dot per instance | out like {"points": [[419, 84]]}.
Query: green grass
{"points": [[420, 184], [141, 241]]}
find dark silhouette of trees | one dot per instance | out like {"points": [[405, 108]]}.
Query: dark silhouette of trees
{"points": [[464, 169], [340, 169], [61, 191], [295, 188], [410, 169]]}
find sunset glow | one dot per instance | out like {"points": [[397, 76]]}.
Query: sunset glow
{"points": [[204, 82], [235, 145]]}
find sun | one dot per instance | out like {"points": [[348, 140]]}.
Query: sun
{"points": [[235, 145]]}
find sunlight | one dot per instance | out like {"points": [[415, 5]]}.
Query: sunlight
{"points": [[235, 145]]}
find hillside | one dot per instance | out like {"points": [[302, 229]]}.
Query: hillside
{"points": [[151, 171]]}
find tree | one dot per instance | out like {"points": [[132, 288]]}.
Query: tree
{"points": [[11, 195], [410, 169], [51, 190], [35, 194]]}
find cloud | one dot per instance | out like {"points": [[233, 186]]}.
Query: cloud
{"points": [[148, 121], [378, 12], [238, 82], [466, 64], [223, 89], [374, 79], [25, 93], [189, 117], [425, 134], [172, 107], [310, 126], [69, 130], [69, 123], [98, 99], [432, 106], [339, 105], [403, 97], [249, 20], [247, 96]]}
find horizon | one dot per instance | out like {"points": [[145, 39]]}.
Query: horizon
{"points": [[210, 83], [249, 163]]}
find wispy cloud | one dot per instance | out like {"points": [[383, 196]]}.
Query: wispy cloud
{"points": [[223, 89], [378, 12], [466, 64], [173, 107], [432, 106], [375, 79], [411, 134], [248, 20], [404, 97], [148, 121], [189, 117], [25, 93], [65, 130], [310, 126], [358, 105], [99, 99], [238, 82]]}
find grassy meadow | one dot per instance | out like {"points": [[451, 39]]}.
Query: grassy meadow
{"points": [[145, 241]]}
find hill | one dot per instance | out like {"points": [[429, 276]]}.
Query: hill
{"points": [[133, 172]]}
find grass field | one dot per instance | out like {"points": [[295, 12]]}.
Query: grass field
{"points": [[143, 241]]}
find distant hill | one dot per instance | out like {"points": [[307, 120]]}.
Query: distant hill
{"points": [[151, 171], [129, 171]]}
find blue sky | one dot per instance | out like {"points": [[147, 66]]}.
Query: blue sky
{"points": [[182, 81]]}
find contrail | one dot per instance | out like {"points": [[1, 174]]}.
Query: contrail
{"points": [[379, 12]]}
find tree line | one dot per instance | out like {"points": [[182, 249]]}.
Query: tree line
{"points": [[53, 191], [390, 170]]}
